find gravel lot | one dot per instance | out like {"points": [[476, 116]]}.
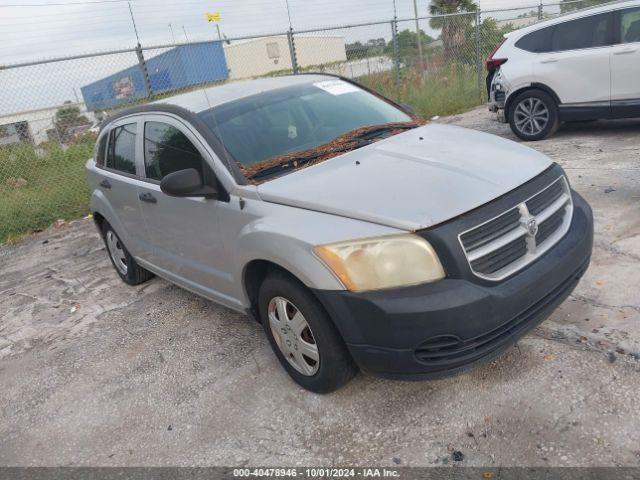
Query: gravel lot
{"points": [[94, 372]]}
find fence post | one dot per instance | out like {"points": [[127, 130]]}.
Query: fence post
{"points": [[145, 72], [292, 51], [396, 51], [540, 13], [478, 53]]}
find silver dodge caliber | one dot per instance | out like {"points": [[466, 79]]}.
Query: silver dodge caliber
{"points": [[358, 236]]}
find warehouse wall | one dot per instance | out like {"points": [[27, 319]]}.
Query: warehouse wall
{"points": [[173, 69], [251, 58], [320, 50]]}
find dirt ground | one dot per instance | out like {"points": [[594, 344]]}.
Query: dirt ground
{"points": [[94, 372]]}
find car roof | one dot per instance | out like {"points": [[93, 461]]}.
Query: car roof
{"points": [[204, 98], [575, 14]]}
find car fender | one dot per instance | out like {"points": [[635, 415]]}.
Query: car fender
{"points": [[100, 204]]}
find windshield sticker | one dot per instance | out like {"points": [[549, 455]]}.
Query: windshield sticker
{"points": [[336, 87]]}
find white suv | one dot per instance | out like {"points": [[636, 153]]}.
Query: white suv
{"points": [[578, 67]]}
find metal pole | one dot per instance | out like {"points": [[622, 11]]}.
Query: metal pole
{"points": [[145, 72], [540, 7], [185, 33], [289, 14], [218, 28], [396, 51], [478, 59], [133, 20], [420, 58], [172, 35], [292, 51]]}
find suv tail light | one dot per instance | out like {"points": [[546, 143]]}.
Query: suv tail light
{"points": [[493, 63]]}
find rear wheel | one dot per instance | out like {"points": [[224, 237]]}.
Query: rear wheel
{"points": [[303, 336], [126, 267], [533, 115]]}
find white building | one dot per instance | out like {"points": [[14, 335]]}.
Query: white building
{"points": [[32, 125], [261, 56]]}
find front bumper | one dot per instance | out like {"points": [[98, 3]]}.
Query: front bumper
{"points": [[443, 328]]}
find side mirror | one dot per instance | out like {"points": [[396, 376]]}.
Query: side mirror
{"points": [[407, 108], [186, 183]]}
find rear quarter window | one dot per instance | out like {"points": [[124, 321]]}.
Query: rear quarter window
{"points": [[536, 42], [100, 149]]}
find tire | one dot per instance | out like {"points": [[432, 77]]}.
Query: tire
{"points": [[123, 263], [334, 366], [540, 126]]}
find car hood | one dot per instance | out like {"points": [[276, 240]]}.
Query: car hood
{"points": [[412, 180]]}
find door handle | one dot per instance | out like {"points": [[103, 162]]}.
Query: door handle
{"points": [[549, 60], [147, 197], [105, 184], [625, 51]]}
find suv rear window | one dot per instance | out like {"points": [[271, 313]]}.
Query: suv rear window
{"points": [[121, 154], [588, 32]]}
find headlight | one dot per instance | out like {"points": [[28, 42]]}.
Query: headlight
{"points": [[382, 262]]}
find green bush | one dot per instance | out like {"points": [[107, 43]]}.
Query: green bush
{"points": [[39, 185], [450, 90]]}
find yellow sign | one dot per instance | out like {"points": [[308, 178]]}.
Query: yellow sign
{"points": [[213, 17]]}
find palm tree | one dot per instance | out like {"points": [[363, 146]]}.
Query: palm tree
{"points": [[453, 27]]}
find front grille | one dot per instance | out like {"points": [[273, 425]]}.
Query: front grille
{"points": [[500, 258], [448, 348], [545, 198], [491, 230], [503, 245]]}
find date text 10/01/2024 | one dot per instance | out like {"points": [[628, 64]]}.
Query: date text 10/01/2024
{"points": [[318, 472]]}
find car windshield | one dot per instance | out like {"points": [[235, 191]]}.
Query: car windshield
{"points": [[274, 127]]}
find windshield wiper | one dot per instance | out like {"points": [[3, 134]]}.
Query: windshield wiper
{"points": [[348, 141], [299, 159]]}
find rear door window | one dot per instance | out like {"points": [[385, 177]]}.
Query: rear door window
{"points": [[588, 32], [630, 25], [121, 154], [167, 150]]}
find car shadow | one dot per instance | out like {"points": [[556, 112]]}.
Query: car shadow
{"points": [[596, 127]]}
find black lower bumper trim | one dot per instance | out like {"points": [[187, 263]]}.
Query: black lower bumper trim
{"points": [[443, 328]]}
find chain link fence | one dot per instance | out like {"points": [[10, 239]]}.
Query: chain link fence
{"points": [[51, 109]]}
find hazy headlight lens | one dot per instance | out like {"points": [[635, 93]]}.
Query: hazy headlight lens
{"points": [[382, 262]]}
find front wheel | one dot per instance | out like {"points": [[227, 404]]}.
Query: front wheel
{"points": [[533, 115], [126, 266], [303, 336]]}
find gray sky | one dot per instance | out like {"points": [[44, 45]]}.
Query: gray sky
{"points": [[40, 29], [37, 29]]}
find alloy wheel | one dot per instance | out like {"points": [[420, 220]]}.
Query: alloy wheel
{"points": [[531, 116], [293, 336], [116, 251]]}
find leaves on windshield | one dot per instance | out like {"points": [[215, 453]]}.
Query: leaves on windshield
{"points": [[271, 167]]}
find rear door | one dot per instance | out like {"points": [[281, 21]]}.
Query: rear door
{"points": [[120, 176], [576, 63], [625, 64], [184, 231]]}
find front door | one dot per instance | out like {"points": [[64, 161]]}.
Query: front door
{"points": [[184, 231], [625, 65]]}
